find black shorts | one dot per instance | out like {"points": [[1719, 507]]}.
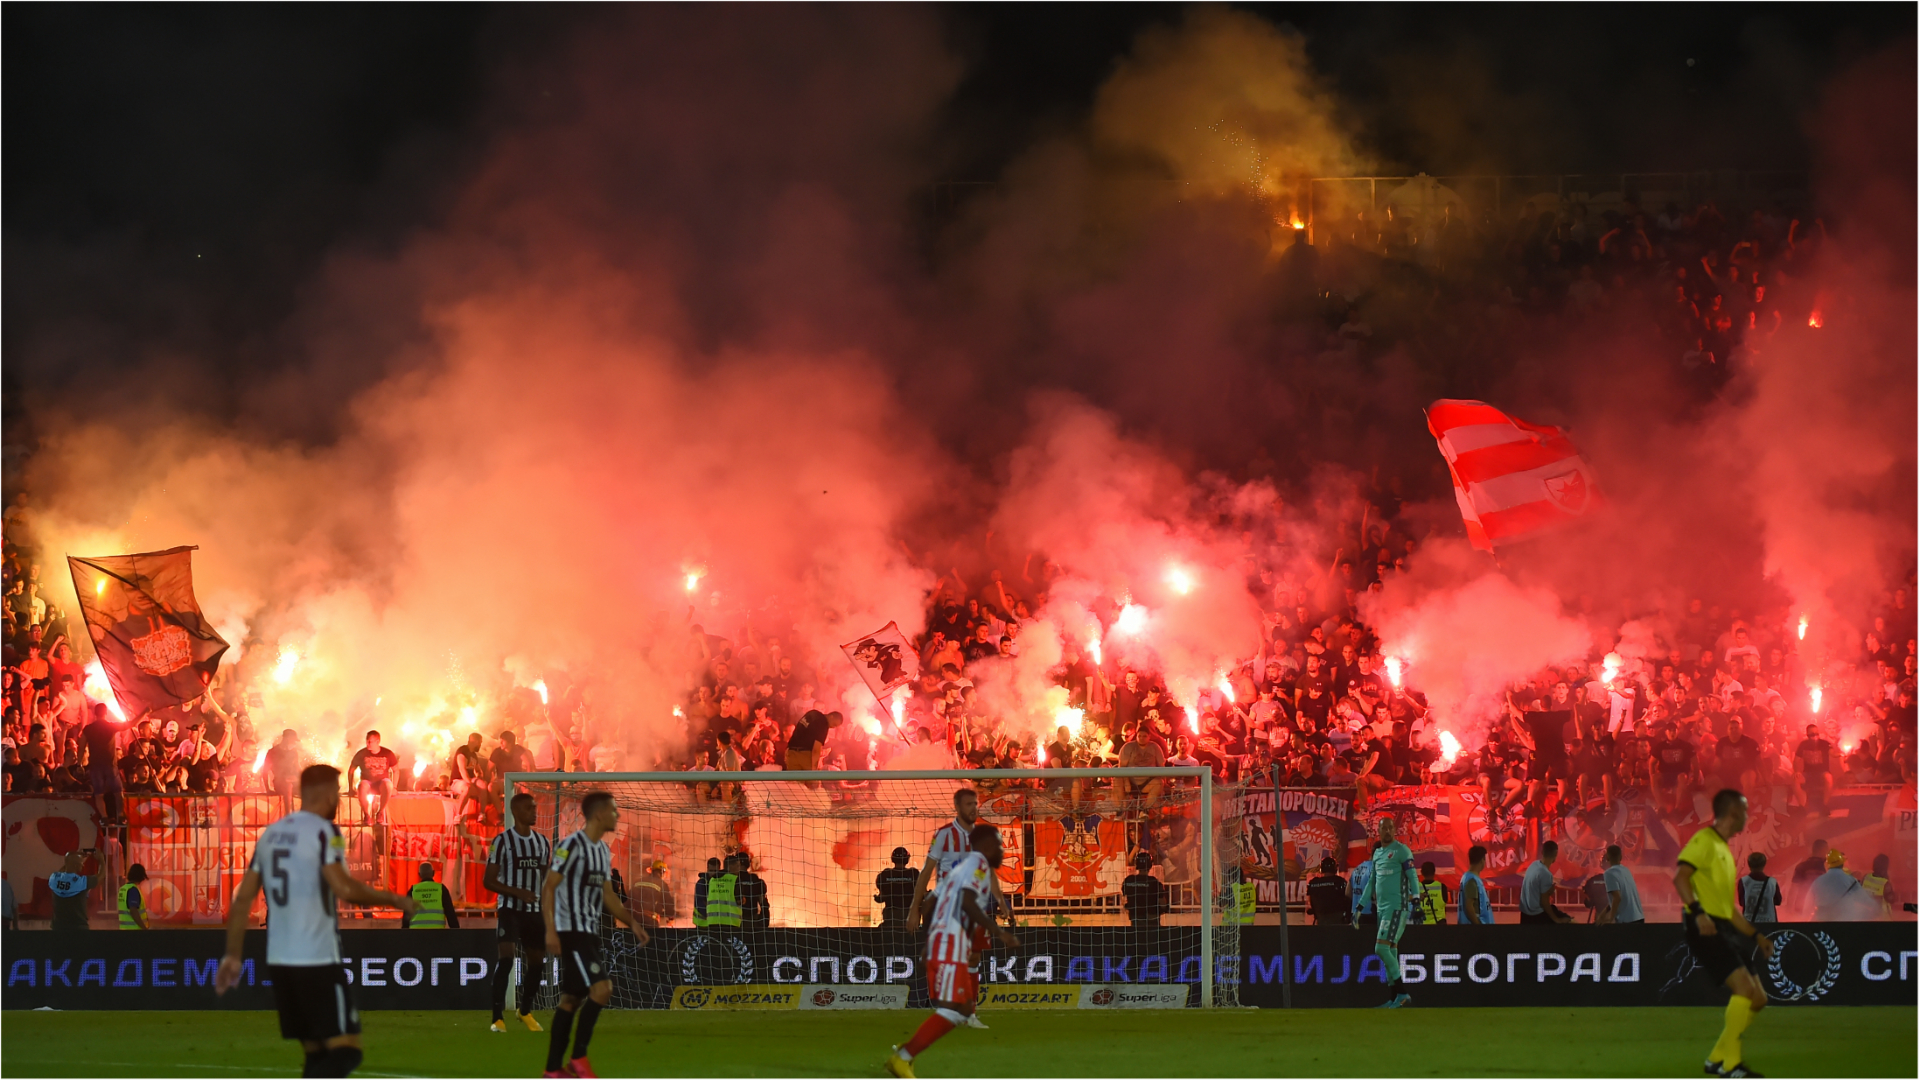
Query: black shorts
{"points": [[1551, 769], [525, 930], [580, 963], [314, 1001], [1716, 954]]}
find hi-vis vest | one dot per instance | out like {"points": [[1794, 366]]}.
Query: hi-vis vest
{"points": [[127, 922], [723, 909], [1240, 903], [427, 896], [1878, 887], [1433, 902]]}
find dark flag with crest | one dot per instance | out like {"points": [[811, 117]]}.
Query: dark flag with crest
{"points": [[156, 647]]}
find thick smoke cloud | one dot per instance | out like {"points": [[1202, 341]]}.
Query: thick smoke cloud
{"points": [[678, 320]]}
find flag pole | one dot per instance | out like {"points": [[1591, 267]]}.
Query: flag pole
{"points": [[1280, 867]]}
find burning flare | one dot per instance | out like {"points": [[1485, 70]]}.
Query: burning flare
{"points": [[1393, 672], [283, 667], [1610, 668], [1131, 620], [1449, 750], [99, 587], [97, 688], [540, 685], [1073, 718], [1803, 628], [419, 767], [1093, 650], [1814, 320], [1226, 688], [1180, 580], [260, 760], [1813, 698], [1193, 720]]}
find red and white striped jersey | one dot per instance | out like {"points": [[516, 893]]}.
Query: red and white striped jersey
{"points": [[950, 842], [969, 872], [1512, 479]]}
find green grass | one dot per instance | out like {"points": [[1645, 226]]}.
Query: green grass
{"points": [[1827, 1041]]}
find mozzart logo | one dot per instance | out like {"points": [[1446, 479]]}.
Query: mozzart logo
{"points": [[746, 997], [1050, 999]]}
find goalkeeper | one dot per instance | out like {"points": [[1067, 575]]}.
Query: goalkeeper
{"points": [[1394, 891]]}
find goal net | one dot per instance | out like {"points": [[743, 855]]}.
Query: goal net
{"points": [[1120, 885]]}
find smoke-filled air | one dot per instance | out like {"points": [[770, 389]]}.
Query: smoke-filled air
{"points": [[686, 363]]}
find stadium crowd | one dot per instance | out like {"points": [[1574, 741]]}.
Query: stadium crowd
{"points": [[1713, 286], [1723, 701]]}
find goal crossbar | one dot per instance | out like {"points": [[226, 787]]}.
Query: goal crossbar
{"points": [[1200, 774]]}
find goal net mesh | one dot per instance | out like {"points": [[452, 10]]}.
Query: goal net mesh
{"points": [[824, 854]]}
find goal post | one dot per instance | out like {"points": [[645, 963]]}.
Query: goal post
{"points": [[825, 920]]}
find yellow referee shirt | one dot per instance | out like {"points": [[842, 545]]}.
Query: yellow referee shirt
{"points": [[1713, 873]]}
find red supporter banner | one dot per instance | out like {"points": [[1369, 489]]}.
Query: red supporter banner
{"points": [[195, 848], [1078, 857]]}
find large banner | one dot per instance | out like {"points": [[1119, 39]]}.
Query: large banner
{"points": [[1843, 964], [1079, 856], [173, 970], [1828, 964], [155, 646], [1320, 824], [195, 848]]}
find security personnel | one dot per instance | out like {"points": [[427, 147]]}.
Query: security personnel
{"points": [[700, 891], [1327, 895], [70, 888], [133, 908], [1759, 892], [435, 901], [652, 897], [719, 904], [1145, 895], [1876, 884], [894, 890], [1433, 896], [750, 893], [1238, 899]]}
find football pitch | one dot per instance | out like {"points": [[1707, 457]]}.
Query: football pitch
{"points": [[1829, 1041]]}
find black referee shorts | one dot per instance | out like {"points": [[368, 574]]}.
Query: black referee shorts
{"points": [[580, 963], [526, 930], [1715, 953], [314, 1001]]}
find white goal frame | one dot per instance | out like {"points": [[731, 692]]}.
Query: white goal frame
{"points": [[1210, 874]]}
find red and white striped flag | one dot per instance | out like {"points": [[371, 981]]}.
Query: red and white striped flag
{"points": [[1513, 479]]}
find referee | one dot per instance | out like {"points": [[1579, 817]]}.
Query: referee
{"points": [[517, 861], [301, 862], [1705, 881]]}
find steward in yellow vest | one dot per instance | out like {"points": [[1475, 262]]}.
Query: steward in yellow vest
{"points": [[133, 907], [435, 901], [1433, 896]]}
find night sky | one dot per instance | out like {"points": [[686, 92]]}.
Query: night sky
{"points": [[175, 173]]}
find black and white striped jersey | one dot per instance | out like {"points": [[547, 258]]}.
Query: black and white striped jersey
{"points": [[520, 862], [583, 865], [303, 926]]}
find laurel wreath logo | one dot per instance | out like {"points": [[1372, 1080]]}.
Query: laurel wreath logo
{"points": [[1829, 973]]}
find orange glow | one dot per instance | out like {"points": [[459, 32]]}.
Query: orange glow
{"points": [[1815, 321]]}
